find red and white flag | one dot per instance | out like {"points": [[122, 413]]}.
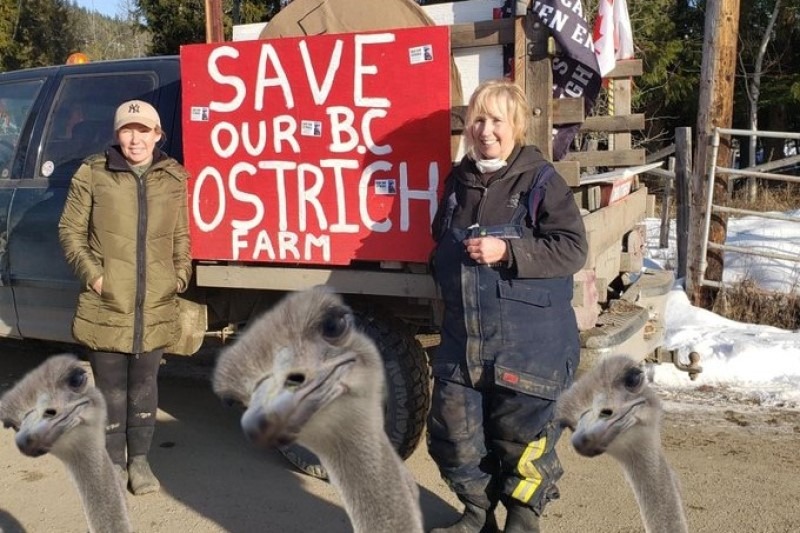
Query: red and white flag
{"points": [[613, 37]]}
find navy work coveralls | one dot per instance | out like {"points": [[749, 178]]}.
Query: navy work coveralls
{"points": [[509, 338]]}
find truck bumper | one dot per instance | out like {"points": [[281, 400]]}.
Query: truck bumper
{"points": [[633, 325]]}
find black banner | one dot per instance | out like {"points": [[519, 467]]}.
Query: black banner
{"points": [[575, 70]]}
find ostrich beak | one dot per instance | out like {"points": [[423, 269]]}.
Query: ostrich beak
{"points": [[282, 404], [599, 426], [44, 425]]}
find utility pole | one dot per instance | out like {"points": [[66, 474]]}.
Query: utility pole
{"points": [[214, 21], [715, 110]]}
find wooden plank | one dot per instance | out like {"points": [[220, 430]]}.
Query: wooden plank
{"points": [[520, 52], [661, 154], [651, 206], [570, 171], [484, 33], [622, 106], [539, 74], [579, 195], [613, 124], [689, 204], [568, 111], [591, 200], [626, 68], [607, 158], [605, 227], [296, 279], [666, 202]]}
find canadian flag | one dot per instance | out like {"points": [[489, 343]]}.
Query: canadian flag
{"points": [[613, 37]]}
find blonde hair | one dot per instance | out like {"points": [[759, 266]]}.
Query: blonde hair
{"points": [[502, 98]]}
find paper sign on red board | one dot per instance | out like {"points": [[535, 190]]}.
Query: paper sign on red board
{"points": [[317, 150]]}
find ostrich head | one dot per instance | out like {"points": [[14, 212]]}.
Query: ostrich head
{"points": [[53, 407], [610, 409], [300, 369]]}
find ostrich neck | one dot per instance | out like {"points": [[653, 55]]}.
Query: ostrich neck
{"points": [[99, 487], [656, 488], [378, 491]]}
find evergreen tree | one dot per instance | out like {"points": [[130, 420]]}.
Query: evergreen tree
{"points": [[176, 22], [42, 32], [123, 36]]}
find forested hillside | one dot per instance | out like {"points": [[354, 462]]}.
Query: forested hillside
{"points": [[45, 32]]}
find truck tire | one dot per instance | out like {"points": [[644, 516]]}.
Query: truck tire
{"points": [[408, 392]]}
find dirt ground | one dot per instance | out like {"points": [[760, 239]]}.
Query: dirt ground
{"points": [[739, 465]]}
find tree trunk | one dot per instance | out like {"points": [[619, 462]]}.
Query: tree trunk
{"points": [[715, 110], [753, 94]]}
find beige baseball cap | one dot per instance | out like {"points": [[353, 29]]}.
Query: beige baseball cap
{"points": [[138, 112]]}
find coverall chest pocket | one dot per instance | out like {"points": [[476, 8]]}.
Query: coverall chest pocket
{"points": [[525, 312]]}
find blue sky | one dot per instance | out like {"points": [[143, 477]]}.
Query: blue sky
{"points": [[106, 7]]}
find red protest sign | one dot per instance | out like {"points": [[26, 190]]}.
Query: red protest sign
{"points": [[317, 150]]}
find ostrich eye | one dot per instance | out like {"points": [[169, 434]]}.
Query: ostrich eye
{"points": [[77, 379], [230, 401], [633, 379], [335, 323]]}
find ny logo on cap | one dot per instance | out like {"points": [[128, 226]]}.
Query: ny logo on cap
{"points": [[133, 108]]}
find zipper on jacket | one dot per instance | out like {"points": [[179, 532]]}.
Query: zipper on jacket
{"points": [[141, 262], [481, 203]]}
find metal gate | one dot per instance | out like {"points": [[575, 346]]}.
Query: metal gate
{"points": [[757, 171]]}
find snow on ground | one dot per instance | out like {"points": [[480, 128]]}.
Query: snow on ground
{"points": [[741, 362]]}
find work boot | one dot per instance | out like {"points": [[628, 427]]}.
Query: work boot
{"points": [[474, 520], [142, 479], [521, 519]]}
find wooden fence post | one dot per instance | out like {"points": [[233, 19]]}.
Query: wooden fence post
{"points": [[666, 200], [539, 87], [683, 200]]}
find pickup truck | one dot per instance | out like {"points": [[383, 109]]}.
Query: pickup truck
{"points": [[56, 116]]}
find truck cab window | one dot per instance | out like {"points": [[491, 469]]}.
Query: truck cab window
{"points": [[80, 123], [16, 101]]}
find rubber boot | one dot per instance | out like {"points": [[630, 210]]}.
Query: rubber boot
{"points": [[474, 520], [141, 477], [521, 519]]}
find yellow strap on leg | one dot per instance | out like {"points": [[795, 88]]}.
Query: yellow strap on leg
{"points": [[526, 488]]}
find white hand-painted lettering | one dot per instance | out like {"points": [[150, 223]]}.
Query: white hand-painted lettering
{"points": [[245, 197], [279, 207], [321, 93], [270, 57], [428, 194], [198, 193], [341, 225], [310, 196], [234, 81], [362, 70]]}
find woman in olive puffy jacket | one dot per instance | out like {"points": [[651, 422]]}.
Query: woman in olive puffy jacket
{"points": [[125, 232]]}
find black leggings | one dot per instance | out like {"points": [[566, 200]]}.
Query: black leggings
{"points": [[129, 383]]}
